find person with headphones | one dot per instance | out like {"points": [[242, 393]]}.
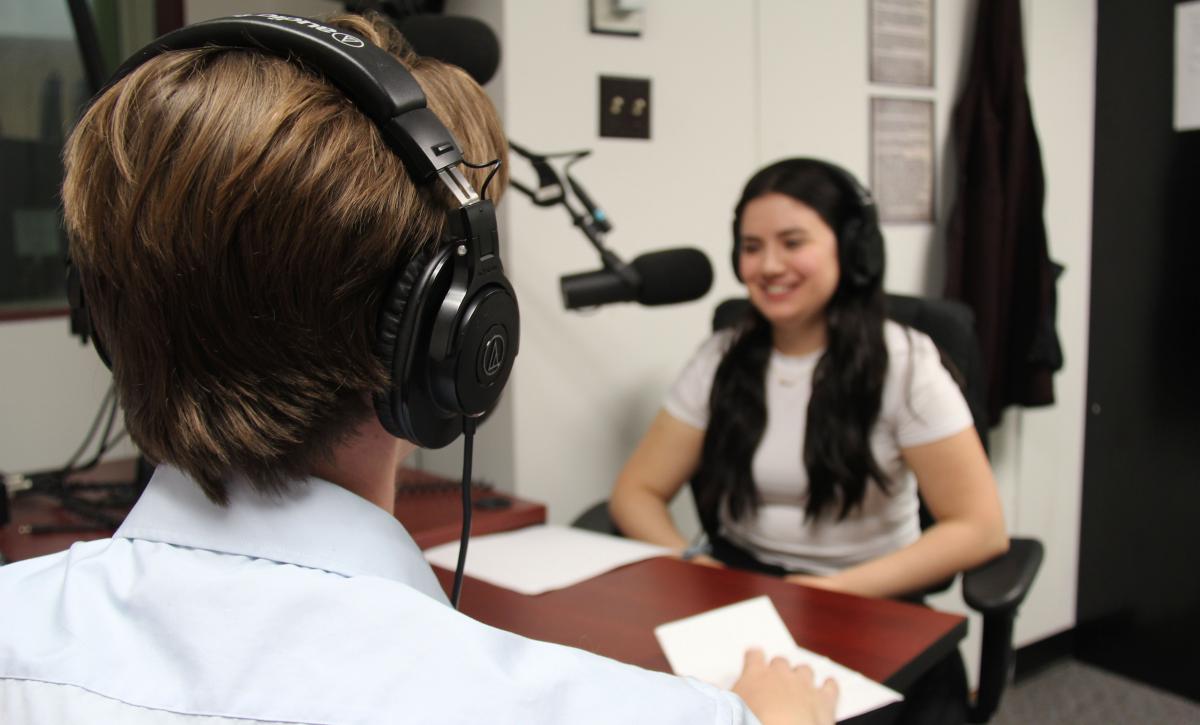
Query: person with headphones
{"points": [[799, 427], [295, 285]]}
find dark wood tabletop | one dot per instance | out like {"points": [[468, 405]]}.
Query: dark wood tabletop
{"points": [[615, 615], [428, 505], [29, 512]]}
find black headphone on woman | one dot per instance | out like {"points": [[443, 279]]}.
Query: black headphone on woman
{"points": [[860, 241], [448, 327]]}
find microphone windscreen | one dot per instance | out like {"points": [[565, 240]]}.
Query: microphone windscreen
{"points": [[673, 275], [465, 42]]}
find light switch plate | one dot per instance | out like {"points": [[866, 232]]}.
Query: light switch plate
{"points": [[624, 107]]}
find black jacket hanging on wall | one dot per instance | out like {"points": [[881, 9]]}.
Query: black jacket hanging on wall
{"points": [[997, 261]]}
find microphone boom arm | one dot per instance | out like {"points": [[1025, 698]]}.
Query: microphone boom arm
{"points": [[592, 222]]}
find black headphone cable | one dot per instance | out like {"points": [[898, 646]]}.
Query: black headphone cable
{"points": [[468, 451]]}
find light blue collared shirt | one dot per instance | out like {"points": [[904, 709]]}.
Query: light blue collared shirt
{"points": [[312, 607]]}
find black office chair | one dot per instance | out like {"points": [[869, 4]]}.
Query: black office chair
{"points": [[995, 589]]}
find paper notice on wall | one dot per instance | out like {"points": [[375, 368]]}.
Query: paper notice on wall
{"points": [[902, 159], [1187, 66], [902, 42]]}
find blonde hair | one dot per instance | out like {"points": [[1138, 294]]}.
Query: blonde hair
{"points": [[235, 221]]}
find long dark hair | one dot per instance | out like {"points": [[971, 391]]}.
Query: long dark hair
{"points": [[847, 385]]}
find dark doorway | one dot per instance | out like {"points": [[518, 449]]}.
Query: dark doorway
{"points": [[1139, 575]]}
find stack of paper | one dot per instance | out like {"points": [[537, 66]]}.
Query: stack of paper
{"points": [[711, 647], [538, 559]]}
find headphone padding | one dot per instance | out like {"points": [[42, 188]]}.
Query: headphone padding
{"points": [[393, 336]]}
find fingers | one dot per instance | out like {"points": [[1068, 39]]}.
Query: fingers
{"points": [[781, 664], [754, 658], [827, 697], [777, 692], [807, 676], [829, 689]]}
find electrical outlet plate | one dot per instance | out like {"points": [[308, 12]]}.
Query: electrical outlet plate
{"points": [[624, 107], [616, 17]]}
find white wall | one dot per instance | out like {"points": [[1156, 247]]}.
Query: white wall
{"points": [[1060, 49], [52, 389], [587, 384]]}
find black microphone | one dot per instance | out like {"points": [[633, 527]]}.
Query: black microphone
{"points": [[465, 42], [655, 278]]}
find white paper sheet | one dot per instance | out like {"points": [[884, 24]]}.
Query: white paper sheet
{"points": [[539, 559], [711, 647]]}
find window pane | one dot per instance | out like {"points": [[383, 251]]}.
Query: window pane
{"points": [[42, 89]]}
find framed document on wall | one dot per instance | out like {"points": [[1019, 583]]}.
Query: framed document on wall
{"points": [[901, 42], [902, 159]]}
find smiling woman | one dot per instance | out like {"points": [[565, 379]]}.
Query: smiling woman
{"points": [[802, 428], [809, 429]]}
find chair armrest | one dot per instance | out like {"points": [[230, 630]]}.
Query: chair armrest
{"points": [[596, 518], [996, 589], [1001, 584]]}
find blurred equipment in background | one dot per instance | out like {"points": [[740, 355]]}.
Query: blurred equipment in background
{"points": [[465, 42]]}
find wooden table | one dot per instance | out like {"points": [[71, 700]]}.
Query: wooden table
{"points": [[31, 509], [615, 615], [429, 506]]}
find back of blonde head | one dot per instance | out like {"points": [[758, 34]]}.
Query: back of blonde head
{"points": [[235, 221]]}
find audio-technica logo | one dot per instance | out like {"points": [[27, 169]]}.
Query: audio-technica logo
{"points": [[493, 354], [351, 41], [347, 39]]}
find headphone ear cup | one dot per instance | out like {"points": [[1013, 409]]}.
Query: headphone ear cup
{"points": [[81, 319], [406, 409], [861, 252], [487, 338], [872, 256], [850, 251]]}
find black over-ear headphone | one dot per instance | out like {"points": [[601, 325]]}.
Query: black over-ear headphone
{"points": [[860, 241], [448, 328]]}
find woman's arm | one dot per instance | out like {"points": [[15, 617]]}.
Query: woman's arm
{"points": [[956, 482], [665, 459]]}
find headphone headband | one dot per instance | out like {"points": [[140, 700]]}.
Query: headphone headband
{"points": [[368, 75]]}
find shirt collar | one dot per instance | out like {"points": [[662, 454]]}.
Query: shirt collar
{"points": [[314, 524]]}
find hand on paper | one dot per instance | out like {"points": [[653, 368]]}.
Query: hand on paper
{"points": [[779, 694]]}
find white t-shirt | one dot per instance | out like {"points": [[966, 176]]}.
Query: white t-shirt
{"points": [[921, 404]]}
